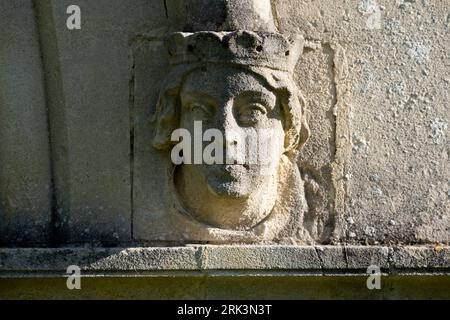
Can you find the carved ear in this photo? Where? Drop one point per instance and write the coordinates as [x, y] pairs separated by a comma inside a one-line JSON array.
[[295, 125], [304, 130], [166, 118]]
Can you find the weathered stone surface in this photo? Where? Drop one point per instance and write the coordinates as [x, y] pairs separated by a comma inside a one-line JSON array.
[[238, 84], [315, 79], [391, 163], [101, 259], [274, 193], [88, 78], [151, 195], [217, 259], [220, 15], [332, 257], [373, 176], [427, 258], [25, 173], [358, 256], [259, 258], [353, 257]]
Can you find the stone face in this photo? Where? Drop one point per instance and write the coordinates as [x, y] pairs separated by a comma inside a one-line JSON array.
[[25, 177], [239, 86]]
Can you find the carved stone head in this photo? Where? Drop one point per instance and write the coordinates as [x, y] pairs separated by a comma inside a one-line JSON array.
[[239, 84]]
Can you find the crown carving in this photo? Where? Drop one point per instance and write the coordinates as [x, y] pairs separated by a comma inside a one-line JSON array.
[[259, 49]]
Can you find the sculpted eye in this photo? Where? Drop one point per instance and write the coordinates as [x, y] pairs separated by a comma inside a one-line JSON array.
[[252, 114], [199, 109]]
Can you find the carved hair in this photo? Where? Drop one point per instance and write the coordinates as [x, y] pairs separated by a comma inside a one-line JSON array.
[[167, 114]]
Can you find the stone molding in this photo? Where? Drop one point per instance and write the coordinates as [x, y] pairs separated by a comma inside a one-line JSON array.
[[205, 260]]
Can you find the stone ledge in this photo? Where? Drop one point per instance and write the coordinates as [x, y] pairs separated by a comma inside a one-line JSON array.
[[201, 260]]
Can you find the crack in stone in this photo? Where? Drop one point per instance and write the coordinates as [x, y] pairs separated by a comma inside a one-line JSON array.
[[166, 11], [202, 259], [322, 265], [344, 250]]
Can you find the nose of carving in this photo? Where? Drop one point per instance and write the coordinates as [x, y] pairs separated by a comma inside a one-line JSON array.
[[227, 124], [233, 139], [226, 119]]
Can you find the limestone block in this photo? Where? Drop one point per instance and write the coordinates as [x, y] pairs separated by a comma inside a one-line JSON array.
[[259, 257], [410, 257], [390, 70], [25, 177], [358, 256], [235, 260], [332, 257], [151, 193], [99, 259], [89, 72], [315, 79]]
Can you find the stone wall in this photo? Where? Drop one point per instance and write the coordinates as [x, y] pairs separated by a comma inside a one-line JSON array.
[[388, 71], [77, 164]]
